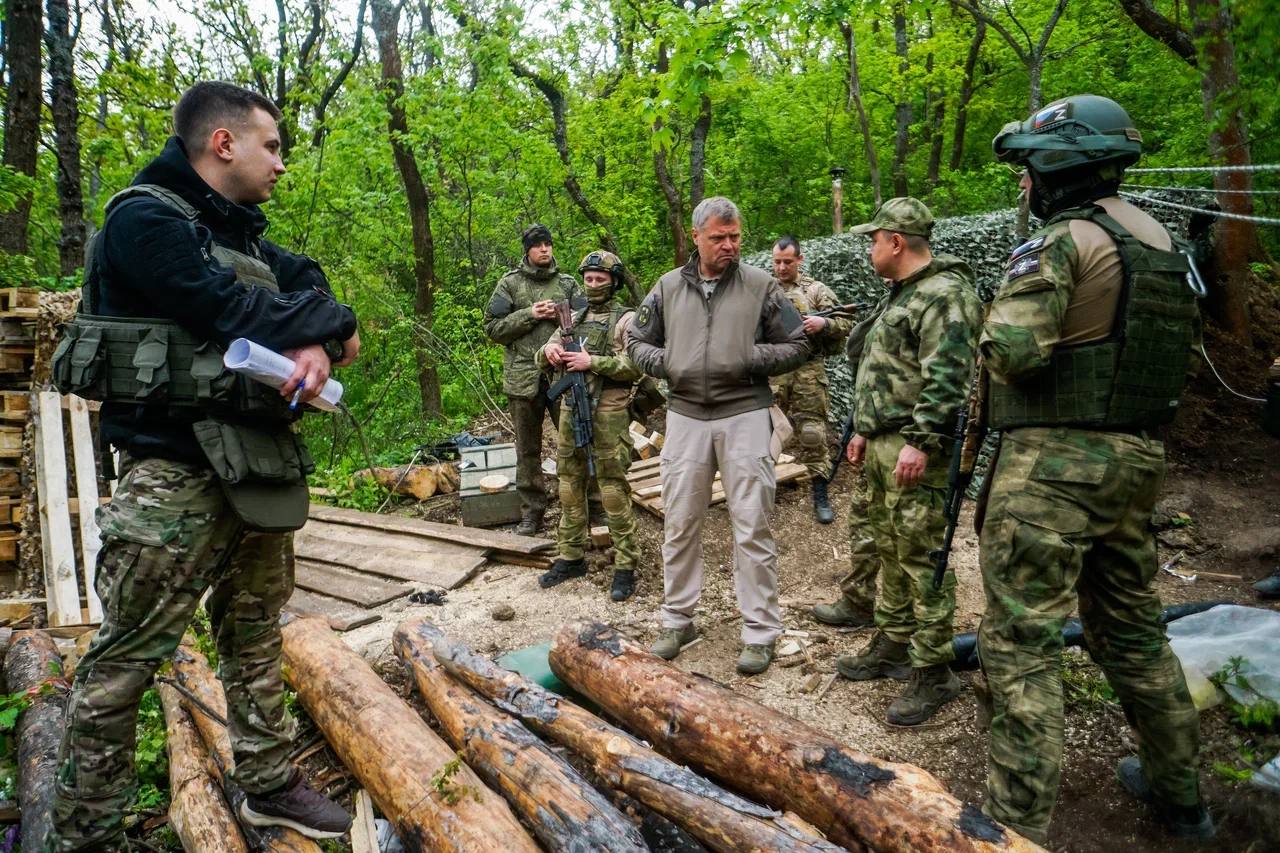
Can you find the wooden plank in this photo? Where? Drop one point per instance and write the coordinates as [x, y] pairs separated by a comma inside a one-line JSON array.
[[61, 589], [11, 480], [340, 615], [406, 558], [476, 537], [10, 442], [8, 545], [86, 495], [362, 589], [364, 832], [644, 464]]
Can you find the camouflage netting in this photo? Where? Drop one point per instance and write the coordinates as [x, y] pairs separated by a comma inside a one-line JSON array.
[[984, 240]]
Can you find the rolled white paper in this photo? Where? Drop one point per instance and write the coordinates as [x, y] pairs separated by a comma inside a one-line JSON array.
[[274, 369]]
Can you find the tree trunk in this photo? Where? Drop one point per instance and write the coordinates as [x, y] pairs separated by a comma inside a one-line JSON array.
[[966, 94], [22, 113], [560, 806], [30, 663], [433, 801], [675, 203], [1236, 242], [198, 812], [698, 153], [857, 800], [855, 98], [331, 91], [386, 22], [719, 819], [66, 131], [902, 111], [193, 673]]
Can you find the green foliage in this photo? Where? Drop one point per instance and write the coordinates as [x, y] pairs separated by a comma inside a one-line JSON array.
[[1085, 684], [152, 761], [442, 783], [1261, 714]]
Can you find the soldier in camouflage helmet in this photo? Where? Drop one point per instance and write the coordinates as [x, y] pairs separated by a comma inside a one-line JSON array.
[[802, 393], [602, 327], [521, 315], [1087, 344], [912, 377], [180, 261]]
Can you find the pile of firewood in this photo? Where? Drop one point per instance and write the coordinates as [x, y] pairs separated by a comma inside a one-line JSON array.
[[496, 776]]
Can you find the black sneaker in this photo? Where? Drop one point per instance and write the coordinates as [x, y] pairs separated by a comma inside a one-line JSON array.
[[1181, 821], [624, 584], [299, 807], [562, 570]]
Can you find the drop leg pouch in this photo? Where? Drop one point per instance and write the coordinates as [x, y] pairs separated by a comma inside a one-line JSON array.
[[263, 471]]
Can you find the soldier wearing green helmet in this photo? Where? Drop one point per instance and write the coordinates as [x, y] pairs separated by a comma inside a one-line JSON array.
[[1086, 345], [601, 327]]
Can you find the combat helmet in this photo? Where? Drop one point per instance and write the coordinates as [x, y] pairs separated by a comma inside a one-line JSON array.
[[1070, 133], [604, 262]]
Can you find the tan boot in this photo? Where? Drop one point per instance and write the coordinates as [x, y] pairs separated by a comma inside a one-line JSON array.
[[672, 640], [882, 657], [929, 689], [843, 611]]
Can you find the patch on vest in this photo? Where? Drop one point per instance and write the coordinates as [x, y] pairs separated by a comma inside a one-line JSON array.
[[1029, 246], [1023, 266], [644, 315]]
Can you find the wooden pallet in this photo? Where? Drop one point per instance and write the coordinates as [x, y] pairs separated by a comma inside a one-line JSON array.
[[17, 358], [61, 578], [19, 301], [645, 479], [15, 406], [10, 441]]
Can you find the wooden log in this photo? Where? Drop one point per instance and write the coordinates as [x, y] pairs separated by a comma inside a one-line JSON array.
[[206, 703], [434, 801], [859, 801], [32, 666], [721, 820], [198, 812], [562, 808]]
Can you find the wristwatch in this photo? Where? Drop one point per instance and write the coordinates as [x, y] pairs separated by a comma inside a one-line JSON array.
[[333, 349]]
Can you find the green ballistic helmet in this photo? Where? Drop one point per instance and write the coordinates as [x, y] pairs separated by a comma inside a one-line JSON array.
[[1083, 130], [604, 262]]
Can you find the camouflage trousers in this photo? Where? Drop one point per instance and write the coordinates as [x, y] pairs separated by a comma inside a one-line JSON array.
[[802, 394], [1068, 521], [527, 414], [612, 453], [168, 536], [904, 525], [859, 586]]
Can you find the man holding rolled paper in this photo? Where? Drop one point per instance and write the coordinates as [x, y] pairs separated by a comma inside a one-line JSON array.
[[212, 478]]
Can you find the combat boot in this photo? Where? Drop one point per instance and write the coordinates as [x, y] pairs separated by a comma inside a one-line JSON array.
[[672, 640], [1181, 821], [624, 584], [530, 523], [880, 658], [929, 689], [562, 570], [843, 611], [299, 807], [821, 505]]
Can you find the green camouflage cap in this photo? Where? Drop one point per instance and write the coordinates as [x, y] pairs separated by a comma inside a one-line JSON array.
[[904, 215]]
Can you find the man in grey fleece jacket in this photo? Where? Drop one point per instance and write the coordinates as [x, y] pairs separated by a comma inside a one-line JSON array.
[[716, 330]]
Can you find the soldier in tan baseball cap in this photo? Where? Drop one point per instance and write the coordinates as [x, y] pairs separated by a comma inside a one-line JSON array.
[[904, 215]]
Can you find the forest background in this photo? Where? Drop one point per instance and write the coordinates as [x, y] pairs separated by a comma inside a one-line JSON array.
[[421, 138]]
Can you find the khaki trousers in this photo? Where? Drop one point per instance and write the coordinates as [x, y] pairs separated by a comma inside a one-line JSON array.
[[738, 447]]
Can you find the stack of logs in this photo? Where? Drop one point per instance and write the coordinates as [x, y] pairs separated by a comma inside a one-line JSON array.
[[492, 781]]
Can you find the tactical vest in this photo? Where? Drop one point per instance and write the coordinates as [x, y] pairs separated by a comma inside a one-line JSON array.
[[597, 339], [1129, 380], [245, 431]]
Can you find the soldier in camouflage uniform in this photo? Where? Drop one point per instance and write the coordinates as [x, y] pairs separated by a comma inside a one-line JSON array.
[[180, 261], [912, 378], [1087, 345], [602, 327], [521, 315], [802, 393]]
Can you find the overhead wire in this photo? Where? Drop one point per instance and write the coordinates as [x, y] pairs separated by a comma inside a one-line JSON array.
[[1254, 167], [1222, 214], [1205, 190]]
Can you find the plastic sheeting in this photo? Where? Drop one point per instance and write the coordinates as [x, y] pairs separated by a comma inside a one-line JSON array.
[[1206, 642]]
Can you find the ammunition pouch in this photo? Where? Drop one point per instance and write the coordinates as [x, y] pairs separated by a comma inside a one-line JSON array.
[[263, 472], [156, 363]]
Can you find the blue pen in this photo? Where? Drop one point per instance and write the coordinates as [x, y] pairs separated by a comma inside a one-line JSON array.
[[293, 404]]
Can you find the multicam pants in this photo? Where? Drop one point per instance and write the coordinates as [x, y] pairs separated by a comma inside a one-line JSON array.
[[612, 453], [802, 394], [168, 535], [905, 525], [1068, 521], [859, 586]]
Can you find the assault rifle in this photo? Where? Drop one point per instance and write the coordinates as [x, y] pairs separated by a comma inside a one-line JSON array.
[[849, 309], [957, 483], [840, 310], [576, 383]]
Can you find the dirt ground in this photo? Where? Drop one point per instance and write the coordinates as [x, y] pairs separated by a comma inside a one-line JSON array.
[[1222, 479]]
